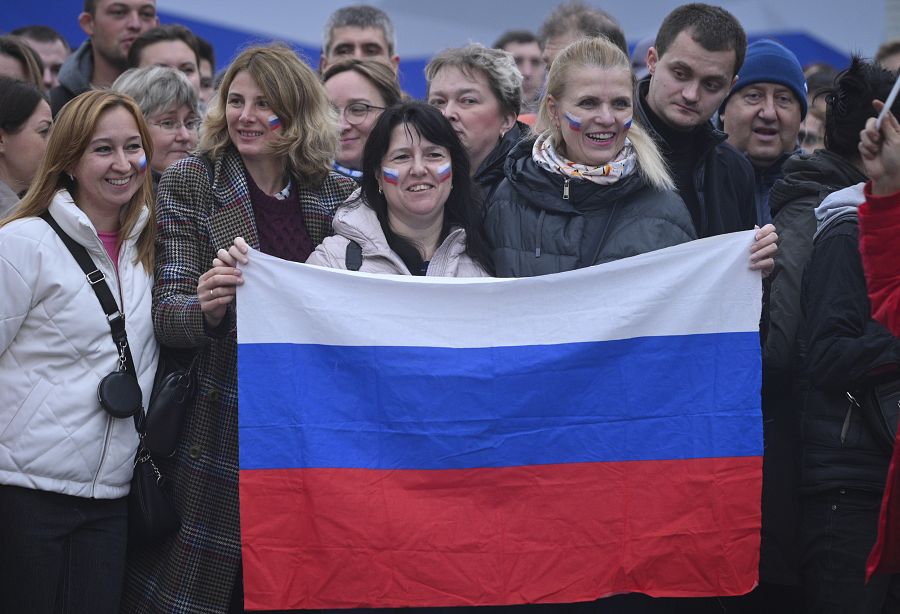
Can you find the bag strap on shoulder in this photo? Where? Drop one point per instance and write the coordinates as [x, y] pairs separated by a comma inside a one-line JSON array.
[[97, 280]]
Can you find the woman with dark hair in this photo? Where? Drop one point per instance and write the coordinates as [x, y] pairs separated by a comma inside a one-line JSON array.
[[19, 61], [360, 90], [25, 122], [415, 213]]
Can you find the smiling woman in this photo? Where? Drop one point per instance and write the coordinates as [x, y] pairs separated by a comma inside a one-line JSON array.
[[592, 188], [67, 463], [360, 90], [262, 170], [414, 214]]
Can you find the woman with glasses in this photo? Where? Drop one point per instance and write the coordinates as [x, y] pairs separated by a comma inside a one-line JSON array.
[[480, 91], [262, 171], [360, 90], [169, 103]]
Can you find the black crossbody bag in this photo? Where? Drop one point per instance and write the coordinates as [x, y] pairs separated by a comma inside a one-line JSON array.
[[151, 513]]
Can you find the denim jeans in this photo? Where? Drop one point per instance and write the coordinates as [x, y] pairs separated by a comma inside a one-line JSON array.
[[60, 554], [838, 530]]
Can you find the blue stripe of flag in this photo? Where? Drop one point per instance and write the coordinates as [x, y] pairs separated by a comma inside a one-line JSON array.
[[649, 398]]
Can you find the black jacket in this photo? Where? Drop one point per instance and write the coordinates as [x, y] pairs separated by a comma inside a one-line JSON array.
[[807, 180], [534, 230], [490, 173], [845, 351], [723, 178]]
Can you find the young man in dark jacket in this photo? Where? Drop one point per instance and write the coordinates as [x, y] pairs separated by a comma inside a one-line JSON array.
[[698, 52], [111, 25]]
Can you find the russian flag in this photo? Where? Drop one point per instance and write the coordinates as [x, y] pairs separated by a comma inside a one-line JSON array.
[[440, 442]]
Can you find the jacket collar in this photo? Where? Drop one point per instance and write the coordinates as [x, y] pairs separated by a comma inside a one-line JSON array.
[[77, 225], [491, 168], [358, 222], [232, 213]]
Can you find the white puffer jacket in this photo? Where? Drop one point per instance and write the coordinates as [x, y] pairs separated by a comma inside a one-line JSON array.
[[356, 221], [56, 346]]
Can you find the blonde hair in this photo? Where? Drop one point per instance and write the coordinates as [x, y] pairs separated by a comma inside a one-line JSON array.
[[308, 138], [72, 131], [600, 52]]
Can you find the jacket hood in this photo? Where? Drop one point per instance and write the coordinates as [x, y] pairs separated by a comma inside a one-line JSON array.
[[814, 176], [527, 178], [837, 205], [75, 74]]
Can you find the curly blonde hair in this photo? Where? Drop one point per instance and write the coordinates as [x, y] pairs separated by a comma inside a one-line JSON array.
[[309, 133]]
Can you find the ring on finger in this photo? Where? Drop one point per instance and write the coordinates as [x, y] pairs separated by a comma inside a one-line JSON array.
[[212, 292]]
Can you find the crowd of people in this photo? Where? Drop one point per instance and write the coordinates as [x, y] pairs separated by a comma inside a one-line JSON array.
[[542, 153]]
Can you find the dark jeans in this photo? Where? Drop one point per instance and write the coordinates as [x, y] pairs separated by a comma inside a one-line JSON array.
[[60, 554], [838, 531]]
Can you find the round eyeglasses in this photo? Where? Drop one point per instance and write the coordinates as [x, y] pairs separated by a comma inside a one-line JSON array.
[[357, 112], [173, 125]]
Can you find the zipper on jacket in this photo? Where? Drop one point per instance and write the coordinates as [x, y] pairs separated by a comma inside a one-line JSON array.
[[539, 234], [103, 452], [566, 189], [846, 426]]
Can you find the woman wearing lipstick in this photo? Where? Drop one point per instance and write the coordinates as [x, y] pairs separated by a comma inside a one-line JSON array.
[[593, 188], [359, 90], [66, 464], [263, 172]]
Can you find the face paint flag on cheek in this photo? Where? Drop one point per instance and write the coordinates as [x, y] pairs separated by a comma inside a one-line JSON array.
[[628, 123], [390, 175], [274, 122], [574, 122], [142, 163], [444, 172]]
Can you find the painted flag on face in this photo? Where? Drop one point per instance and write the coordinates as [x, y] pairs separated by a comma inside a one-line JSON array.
[[391, 175], [414, 441]]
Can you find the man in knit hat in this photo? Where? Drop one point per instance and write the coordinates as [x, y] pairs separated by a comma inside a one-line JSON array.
[[763, 112]]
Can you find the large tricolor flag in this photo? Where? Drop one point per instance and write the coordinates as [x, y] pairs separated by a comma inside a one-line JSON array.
[[416, 441]]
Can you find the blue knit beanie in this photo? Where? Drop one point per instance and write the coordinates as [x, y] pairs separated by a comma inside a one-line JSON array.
[[770, 62]]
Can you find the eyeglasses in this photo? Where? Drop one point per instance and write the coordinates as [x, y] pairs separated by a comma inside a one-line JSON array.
[[173, 125], [357, 112]]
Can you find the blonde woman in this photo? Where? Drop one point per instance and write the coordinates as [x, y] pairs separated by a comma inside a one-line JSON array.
[[593, 188], [262, 172], [65, 463]]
